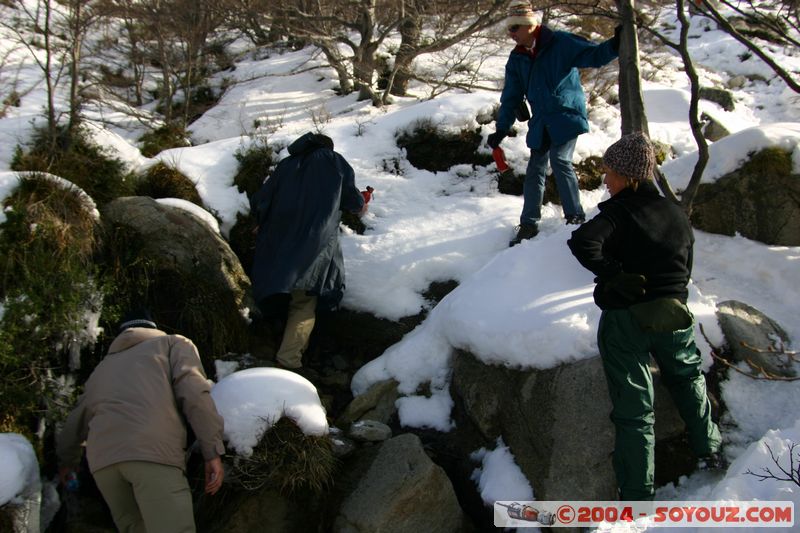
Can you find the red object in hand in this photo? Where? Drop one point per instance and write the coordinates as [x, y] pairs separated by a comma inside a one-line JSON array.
[[367, 194], [500, 159]]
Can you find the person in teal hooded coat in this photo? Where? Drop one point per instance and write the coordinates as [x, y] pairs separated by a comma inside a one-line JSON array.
[[298, 254]]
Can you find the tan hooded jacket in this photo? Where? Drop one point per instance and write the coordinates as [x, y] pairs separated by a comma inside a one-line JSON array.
[[132, 405]]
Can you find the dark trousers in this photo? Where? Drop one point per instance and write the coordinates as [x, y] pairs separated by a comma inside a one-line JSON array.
[[627, 338]]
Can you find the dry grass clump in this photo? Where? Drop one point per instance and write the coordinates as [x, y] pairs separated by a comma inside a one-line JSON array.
[[287, 460], [164, 181]]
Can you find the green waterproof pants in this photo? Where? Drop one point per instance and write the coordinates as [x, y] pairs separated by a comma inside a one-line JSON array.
[[626, 338]]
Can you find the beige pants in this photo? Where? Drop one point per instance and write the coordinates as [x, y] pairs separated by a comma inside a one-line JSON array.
[[147, 497], [299, 325]]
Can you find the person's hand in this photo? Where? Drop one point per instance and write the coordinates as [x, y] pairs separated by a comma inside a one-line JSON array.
[[494, 139], [64, 474], [616, 38], [214, 475], [68, 478], [629, 286]]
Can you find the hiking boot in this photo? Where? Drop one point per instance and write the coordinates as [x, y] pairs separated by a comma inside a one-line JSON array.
[[524, 232], [575, 219], [714, 461]]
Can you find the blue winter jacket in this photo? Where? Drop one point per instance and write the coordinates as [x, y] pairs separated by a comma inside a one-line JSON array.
[[552, 85], [298, 213]]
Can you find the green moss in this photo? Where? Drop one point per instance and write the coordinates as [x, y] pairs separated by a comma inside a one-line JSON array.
[[74, 157], [772, 161], [163, 181]]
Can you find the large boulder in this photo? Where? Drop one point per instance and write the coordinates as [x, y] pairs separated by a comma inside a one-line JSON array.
[[184, 270], [554, 420], [760, 201], [755, 338], [396, 488]]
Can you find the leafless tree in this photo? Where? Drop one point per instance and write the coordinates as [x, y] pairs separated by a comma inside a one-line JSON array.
[[79, 18], [360, 25], [448, 22], [126, 15], [777, 20], [253, 18], [682, 48], [790, 473], [32, 25]]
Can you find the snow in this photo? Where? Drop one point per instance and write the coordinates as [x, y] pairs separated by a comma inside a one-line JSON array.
[[19, 469], [194, 209], [252, 400], [525, 307], [499, 477]]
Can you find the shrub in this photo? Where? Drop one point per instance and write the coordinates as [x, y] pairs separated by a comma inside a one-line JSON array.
[[163, 181], [74, 157], [163, 138], [430, 148], [49, 282], [255, 163]]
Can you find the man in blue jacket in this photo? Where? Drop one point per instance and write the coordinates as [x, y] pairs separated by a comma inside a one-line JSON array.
[[297, 247], [543, 68]]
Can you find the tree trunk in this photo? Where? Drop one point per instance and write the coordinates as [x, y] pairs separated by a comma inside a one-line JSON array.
[[364, 54], [336, 61], [52, 125], [687, 197], [76, 25], [631, 101], [409, 42]]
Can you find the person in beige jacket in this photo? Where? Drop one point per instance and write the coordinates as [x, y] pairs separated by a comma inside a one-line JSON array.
[[131, 418]]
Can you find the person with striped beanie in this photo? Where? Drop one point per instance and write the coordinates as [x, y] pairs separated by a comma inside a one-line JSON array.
[[640, 249]]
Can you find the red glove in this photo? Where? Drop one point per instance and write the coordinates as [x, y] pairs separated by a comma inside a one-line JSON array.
[[367, 195]]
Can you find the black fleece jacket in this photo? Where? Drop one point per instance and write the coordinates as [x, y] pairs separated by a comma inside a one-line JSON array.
[[637, 232]]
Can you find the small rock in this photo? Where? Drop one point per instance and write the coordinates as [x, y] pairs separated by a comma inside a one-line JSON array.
[[341, 445], [737, 82], [369, 431], [379, 397]]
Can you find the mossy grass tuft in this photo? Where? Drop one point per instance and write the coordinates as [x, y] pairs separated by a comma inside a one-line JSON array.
[[164, 181], [163, 138], [73, 156], [49, 281], [430, 147], [256, 161], [287, 460]]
